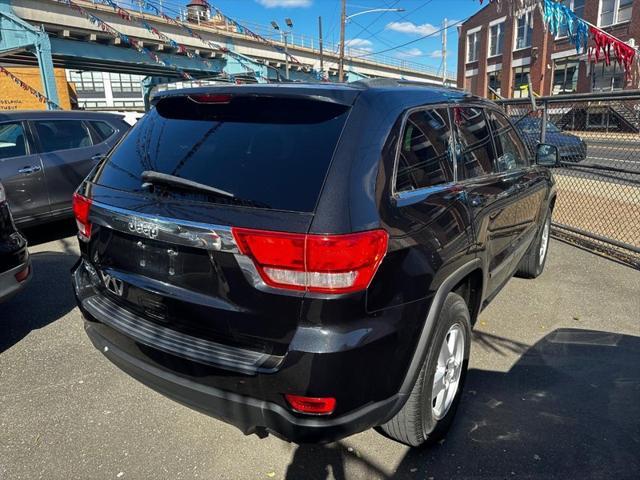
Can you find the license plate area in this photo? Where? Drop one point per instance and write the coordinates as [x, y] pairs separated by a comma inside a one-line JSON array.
[[185, 267]]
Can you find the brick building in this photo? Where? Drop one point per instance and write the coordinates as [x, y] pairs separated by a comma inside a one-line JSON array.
[[497, 53]]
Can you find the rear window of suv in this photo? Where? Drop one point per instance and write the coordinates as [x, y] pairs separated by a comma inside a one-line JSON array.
[[268, 152]]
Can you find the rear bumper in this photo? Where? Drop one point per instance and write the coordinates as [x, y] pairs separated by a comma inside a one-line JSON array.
[[362, 370], [9, 286], [249, 414]]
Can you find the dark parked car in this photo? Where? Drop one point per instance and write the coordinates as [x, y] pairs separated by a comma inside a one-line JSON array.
[[45, 155], [571, 147], [15, 266], [308, 260]]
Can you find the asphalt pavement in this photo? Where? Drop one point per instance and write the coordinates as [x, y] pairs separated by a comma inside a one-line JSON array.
[[553, 392]]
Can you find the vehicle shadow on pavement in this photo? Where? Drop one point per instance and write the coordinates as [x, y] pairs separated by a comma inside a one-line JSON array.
[[47, 298], [569, 408], [49, 232]]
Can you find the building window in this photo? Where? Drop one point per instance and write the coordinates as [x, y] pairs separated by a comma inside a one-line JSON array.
[[496, 39], [606, 78], [494, 84], [125, 83], [524, 30], [615, 11], [91, 104], [87, 82], [577, 6], [521, 81], [128, 104], [565, 75], [473, 46]]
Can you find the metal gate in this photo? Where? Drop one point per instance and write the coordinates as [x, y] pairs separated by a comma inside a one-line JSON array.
[[597, 135]]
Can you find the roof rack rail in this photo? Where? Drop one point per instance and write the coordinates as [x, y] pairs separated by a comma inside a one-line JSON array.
[[395, 82]]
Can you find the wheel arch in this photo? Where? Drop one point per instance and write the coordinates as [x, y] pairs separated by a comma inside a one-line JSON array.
[[469, 272], [471, 289]]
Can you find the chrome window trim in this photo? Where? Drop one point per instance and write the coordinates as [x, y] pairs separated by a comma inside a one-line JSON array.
[[394, 174], [179, 232], [405, 196]]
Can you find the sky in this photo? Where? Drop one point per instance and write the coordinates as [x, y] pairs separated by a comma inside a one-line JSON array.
[[370, 32]]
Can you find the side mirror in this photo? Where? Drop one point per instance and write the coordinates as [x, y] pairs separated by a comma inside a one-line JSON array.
[[547, 155]]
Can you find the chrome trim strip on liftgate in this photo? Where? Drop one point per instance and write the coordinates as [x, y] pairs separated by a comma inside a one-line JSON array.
[[169, 230]]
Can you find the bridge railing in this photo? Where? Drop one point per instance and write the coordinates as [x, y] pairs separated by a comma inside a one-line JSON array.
[[177, 8]]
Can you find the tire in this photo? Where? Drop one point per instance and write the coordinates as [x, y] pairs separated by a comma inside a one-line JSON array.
[[532, 264], [420, 422]]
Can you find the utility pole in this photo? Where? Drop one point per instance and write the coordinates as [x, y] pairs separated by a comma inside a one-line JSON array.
[[444, 52], [321, 54], [286, 54], [343, 21]]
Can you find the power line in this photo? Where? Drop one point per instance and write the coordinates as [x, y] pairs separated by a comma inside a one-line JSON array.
[[414, 40], [402, 17], [378, 17]]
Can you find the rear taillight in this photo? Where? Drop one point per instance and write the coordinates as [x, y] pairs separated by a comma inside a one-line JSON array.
[[316, 263], [311, 405], [81, 209]]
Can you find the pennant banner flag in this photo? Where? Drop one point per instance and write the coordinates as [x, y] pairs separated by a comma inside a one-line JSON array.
[[28, 88], [105, 27], [560, 20]]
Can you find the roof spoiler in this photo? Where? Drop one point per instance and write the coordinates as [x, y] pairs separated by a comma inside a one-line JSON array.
[[344, 97]]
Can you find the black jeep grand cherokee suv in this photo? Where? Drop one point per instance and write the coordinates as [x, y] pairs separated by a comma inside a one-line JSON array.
[[308, 260]]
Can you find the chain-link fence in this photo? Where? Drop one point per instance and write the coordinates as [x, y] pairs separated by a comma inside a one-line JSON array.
[[597, 135]]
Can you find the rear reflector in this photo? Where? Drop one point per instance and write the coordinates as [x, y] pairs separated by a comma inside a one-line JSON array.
[[311, 405], [316, 263], [81, 208], [22, 275]]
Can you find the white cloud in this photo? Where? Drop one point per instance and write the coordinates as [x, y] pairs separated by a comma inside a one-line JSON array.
[[410, 27], [284, 3], [436, 54], [359, 44], [411, 53]]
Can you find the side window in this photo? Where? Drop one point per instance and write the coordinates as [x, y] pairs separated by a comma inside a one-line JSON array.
[[474, 148], [425, 155], [103, 129], [512, 154], [62, 134], [12, 140]]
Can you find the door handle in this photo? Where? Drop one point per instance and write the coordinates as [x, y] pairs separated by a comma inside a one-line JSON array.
[[98, 157], [30, 169]]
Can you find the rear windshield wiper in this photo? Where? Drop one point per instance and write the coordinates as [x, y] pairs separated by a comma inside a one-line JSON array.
[[153, 178]]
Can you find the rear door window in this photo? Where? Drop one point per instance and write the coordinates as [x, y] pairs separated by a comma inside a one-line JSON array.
[[511, 152], [268, 152], [58, 135], [12, 140], [425, 158], [103, 129], [474, 147]]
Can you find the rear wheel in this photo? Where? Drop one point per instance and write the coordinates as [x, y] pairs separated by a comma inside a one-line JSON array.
[[532, 264], [431, 406]]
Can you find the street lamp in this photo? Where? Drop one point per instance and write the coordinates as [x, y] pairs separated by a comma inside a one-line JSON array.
[[285, 34], [344, 18]]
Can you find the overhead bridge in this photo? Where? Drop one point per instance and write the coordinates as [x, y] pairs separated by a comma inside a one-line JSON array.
[[76, 42]]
